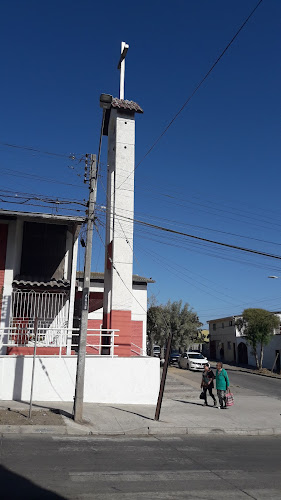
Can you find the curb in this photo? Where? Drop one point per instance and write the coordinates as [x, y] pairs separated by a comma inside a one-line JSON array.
[[259, 374], [55, 430], [254, 372], [33, 429]]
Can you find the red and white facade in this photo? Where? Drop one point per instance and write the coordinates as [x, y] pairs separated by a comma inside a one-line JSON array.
[[138, 315], [38, 255], [38, 283]]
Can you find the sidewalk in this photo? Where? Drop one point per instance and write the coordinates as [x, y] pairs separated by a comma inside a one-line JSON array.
[[182, 413], [248, 369]]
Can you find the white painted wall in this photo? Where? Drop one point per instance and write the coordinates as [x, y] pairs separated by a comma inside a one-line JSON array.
[[120, 201], [107, 380], [269, 351], [139, 308], [12, 268]]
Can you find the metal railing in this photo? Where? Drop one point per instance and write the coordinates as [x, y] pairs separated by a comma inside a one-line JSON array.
[[140, 352], [61, 338]]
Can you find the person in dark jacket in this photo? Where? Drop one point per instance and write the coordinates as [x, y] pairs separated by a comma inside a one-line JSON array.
[[207, 383], [222, 384]]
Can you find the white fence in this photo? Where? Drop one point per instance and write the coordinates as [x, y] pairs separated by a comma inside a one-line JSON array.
[[24, 335]]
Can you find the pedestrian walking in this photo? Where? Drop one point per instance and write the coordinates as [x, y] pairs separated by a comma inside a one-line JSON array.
[[207, 384], [222, 384]]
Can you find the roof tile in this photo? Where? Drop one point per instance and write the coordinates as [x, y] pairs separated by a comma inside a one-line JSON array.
[[127, 105]]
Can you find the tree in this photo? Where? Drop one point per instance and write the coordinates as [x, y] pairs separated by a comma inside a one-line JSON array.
[[155, 327], [175, 317], [257, 326]]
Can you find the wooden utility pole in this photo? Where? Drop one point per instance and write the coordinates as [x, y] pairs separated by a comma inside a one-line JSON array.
[[163, 379], [80, 373]]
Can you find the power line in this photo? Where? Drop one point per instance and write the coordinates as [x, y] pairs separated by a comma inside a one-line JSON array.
[[191, 246], [26, 175], [227, 245], [196, 89], [219, 206], [40, 205], [171, 221], [71, 156], [17, 195]]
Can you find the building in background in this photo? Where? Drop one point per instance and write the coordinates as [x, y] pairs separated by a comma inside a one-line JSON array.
[[200, 342], [228, 344]]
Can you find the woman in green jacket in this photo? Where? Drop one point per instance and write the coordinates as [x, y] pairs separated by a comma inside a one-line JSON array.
[[222, 384]]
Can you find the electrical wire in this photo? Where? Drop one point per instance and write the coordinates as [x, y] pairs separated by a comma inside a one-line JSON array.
[[211, 252], [42, 206], [117, 272], [180, 233], [196, 226], [207, 240], [196, 89], [27, 197], [71, 156], [26, 175]]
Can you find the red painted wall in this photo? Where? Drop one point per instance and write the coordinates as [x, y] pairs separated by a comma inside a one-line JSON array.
[[24, 351], [137, 327], [121, 320], [93, 323]]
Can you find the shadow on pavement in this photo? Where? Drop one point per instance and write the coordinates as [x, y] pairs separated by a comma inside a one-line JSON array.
[[17, 487], [132, 413], [191, 403], [50, 408]]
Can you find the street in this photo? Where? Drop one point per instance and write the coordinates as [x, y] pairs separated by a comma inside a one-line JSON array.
[[162, 466], [140, 468], [241, 382]]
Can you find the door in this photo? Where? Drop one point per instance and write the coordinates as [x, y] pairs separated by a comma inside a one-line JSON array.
[[234, 352], [242, 353], [213, 349]]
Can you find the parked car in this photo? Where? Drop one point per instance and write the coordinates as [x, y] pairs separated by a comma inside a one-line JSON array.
[[192, 361], [156, 351], [174, 356]]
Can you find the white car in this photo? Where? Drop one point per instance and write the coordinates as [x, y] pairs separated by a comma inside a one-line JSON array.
[[192, 361]]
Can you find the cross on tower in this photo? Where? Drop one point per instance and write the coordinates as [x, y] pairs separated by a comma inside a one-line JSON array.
[[121, 66]]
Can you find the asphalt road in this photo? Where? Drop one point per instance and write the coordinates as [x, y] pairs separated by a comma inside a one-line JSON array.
[[241, 382], [141, 468]]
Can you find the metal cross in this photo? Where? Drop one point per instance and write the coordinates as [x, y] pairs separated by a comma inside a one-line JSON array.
[[121, 66]]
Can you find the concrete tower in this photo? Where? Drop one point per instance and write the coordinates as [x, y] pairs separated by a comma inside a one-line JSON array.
[[119, 125]]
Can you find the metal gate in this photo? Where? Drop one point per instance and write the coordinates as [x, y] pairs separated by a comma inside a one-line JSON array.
[[50, 308]]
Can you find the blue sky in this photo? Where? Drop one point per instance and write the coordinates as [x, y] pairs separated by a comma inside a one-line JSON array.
[[215, 172]]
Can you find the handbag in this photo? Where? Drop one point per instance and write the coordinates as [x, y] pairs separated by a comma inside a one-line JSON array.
[[202, 395], [229, 399]]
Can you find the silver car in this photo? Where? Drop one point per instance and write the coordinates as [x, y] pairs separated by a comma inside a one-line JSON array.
[[192, 361]]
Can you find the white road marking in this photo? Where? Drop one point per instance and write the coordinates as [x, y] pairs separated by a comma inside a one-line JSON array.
[[147, 476], [190, 494]]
